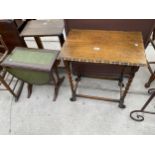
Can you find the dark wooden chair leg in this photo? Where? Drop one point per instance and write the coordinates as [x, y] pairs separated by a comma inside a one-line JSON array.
[[153, 36], [29, 88], [56, 71], [61, 39], [57, 82], [19, 91], [39, 42], [55, 87]]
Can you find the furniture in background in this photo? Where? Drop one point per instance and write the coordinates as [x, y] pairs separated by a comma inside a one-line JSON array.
[[122, 51], [10, 30], [4, 80], [20, 23], [153, 35], [34, 66], [43, 28], [142, 25]]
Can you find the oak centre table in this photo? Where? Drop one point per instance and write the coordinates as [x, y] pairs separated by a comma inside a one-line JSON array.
[[114, 48]]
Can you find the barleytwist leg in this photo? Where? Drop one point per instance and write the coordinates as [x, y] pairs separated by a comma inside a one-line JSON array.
[[121, 85], [121, 104], [67, 66]]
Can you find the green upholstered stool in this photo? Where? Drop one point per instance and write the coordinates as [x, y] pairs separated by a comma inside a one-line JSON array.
[[34, 66]]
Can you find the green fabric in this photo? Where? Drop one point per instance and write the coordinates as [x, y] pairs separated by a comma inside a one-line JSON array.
[[32, 57], [32, 77]]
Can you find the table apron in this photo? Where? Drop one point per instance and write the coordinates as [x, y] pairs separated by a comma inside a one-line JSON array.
[[123, 94]]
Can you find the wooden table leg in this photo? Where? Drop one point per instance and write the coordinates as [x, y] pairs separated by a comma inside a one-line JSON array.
[[19, 91], [61, 39], [57, 82], [132, 74], [55, 87], [121, 85], [39, 42], [68, 70], [120, 81], [153, 36], [29, 87]]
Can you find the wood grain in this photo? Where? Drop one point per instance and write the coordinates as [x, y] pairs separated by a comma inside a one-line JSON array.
[[107, 47], [43, 28]]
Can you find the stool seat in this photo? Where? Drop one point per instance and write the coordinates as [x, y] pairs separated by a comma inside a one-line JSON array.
[[32, 59]]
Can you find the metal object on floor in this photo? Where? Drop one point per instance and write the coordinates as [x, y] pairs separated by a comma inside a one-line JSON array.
[[137, 115], [152, 77]]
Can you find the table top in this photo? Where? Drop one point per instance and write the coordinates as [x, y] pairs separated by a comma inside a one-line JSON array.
[[33, 59], [43, 28], [107, 47]]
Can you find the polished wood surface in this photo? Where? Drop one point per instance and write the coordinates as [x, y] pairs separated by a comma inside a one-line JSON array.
[[107, 47], [141, 25], [43, 28]]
